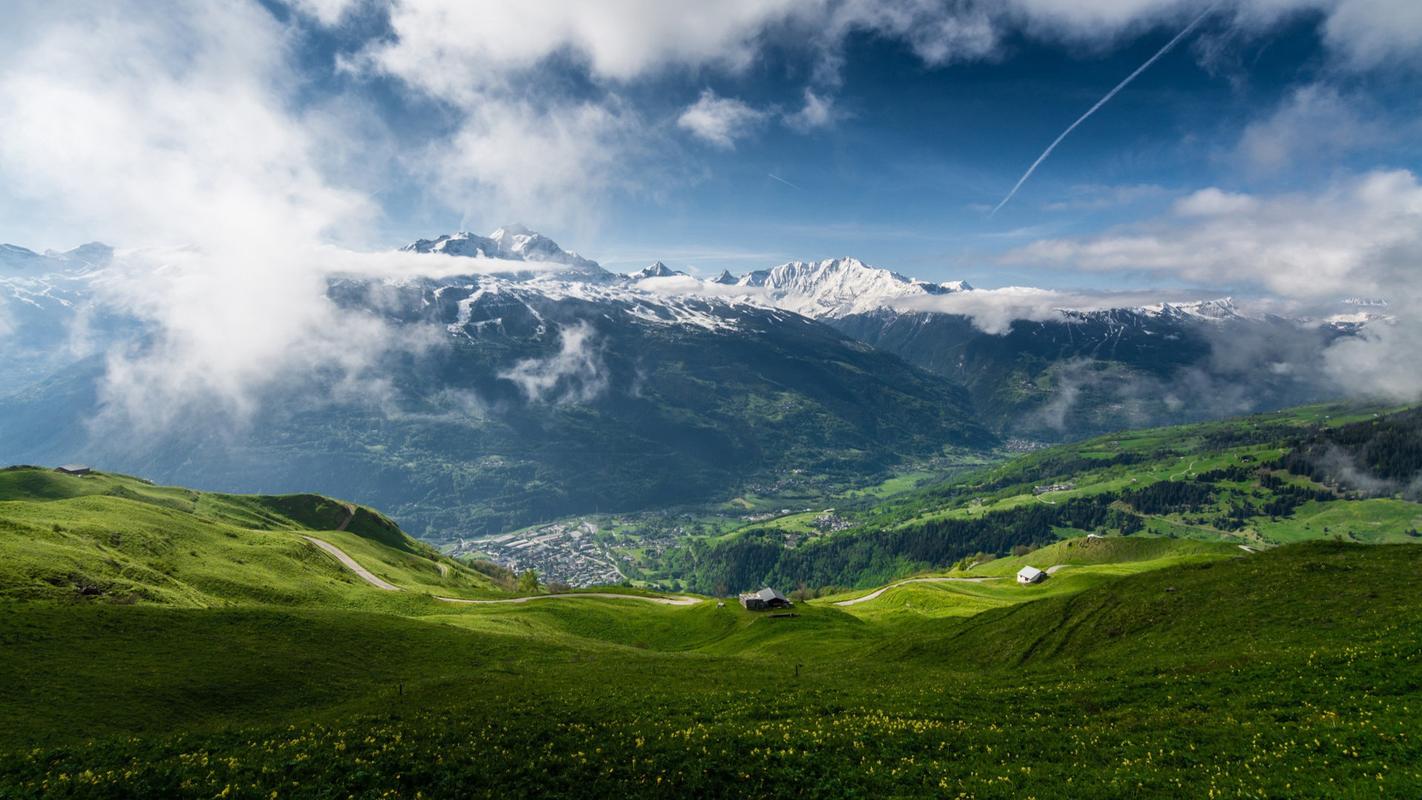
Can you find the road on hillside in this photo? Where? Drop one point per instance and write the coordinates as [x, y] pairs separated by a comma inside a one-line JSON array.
[[352, 565], [874, 594], [374, 580]]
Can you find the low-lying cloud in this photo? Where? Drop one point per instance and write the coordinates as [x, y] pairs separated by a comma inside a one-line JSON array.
[[1359, 237], [575, 374], [994, 310]]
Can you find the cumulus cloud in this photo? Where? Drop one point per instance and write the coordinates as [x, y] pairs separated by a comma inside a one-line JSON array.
[[575, 374], [514, 159], [720, 121], [526, 143]]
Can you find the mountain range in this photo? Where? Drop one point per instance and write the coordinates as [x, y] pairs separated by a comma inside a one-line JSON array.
[[552, 386]]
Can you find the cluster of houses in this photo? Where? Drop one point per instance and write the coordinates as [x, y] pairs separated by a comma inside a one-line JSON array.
[[1055, 487]]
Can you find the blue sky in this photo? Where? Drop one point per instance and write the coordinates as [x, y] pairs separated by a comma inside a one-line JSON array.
[[915, 152], [732, 135]]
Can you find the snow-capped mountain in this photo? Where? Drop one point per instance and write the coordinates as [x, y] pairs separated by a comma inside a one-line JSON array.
[[512, 243], [837, 287], [657, 270]]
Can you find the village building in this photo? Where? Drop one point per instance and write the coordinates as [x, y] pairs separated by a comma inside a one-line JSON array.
[[1028, 575], [73, 469], [765, 599]]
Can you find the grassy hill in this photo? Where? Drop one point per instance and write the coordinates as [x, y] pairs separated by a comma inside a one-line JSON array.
[[1294, 672], [160, 642], [124, 540], [1258, 481]]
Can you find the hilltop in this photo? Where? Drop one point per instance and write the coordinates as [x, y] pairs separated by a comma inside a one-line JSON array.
[[121, 539]]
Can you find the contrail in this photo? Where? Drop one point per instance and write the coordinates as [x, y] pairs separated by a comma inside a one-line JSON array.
[[1099, 103], [782, 180]]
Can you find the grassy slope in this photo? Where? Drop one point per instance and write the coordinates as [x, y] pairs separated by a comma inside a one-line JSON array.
[[1293, 672], [252, 663], [125, 540]]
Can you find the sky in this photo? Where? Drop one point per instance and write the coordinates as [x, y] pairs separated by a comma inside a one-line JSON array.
[[734, 135], [240, 153]]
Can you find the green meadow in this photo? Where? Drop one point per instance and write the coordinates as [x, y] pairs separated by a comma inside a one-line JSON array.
[[161, 642]]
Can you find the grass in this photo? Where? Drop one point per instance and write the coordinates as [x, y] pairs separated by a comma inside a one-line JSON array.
[[157, 642], [121, 539], [1289, 673]]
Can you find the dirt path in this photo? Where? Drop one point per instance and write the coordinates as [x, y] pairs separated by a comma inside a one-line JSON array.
[[666, 601], [350, 515], [874, 594], [350, 564], [443, 569], [379, 583]]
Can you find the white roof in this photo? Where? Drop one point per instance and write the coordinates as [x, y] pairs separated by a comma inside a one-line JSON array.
[[1028, 572]]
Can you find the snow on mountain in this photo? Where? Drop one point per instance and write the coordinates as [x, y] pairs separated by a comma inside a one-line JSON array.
[[827, 290], [1221, 309], [657, 270], [482, 301], [511, 243], [838, 287]]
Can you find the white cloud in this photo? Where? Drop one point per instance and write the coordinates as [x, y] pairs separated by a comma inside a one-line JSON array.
[[818, 112], [490, 61], [1341, 241], [1313, 125], [1360, 237], [1212, 202], [574, 374], [1372, 33], [454, 47], [169, 133], [720, 121], [511, 160], [994, 310]]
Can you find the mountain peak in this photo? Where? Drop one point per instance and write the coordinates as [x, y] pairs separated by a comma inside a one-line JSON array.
[[657, 270], [725, 278], [510, 243], [838, 287]]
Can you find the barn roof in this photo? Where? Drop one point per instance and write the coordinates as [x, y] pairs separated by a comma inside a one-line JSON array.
[[1028, 572], [767, 594]]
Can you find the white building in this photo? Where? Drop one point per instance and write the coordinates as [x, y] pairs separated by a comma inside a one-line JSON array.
[[1030, 575]]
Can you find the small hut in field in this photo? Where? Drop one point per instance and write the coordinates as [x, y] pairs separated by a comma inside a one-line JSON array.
[[1029, 575], [764, 600]]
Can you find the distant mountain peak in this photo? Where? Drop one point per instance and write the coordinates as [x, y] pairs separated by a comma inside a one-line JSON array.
[[838, 287], [510, 243], [725, 278], [656, 270]]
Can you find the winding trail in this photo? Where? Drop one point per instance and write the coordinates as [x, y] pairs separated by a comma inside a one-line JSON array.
[[351, 564], [875, 594], [666, 601], [379, 583]]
